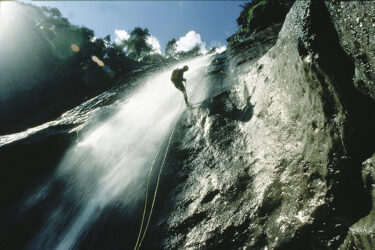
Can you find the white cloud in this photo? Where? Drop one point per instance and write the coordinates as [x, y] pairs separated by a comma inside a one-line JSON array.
[[155, 44], [218, 45], [221, 49], [188, 41], [121, 35]]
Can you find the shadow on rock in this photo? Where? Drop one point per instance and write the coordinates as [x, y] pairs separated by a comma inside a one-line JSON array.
[[224, 106]]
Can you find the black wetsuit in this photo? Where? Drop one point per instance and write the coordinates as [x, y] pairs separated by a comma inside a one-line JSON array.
[[178, 78]]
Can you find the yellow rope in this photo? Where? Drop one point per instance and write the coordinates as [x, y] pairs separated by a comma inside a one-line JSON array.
[[147, 189], [139, 243]]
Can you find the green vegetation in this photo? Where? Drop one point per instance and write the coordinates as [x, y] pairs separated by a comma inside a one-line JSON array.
[[171, 51], [260, 14], [170, 48], [212, 50], [49, 65], [250, 13], [136, 46], [195, 51]]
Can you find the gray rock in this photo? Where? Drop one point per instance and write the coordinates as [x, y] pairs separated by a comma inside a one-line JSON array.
[[355, 25], [280, 155], [273, 160], [362, 234]]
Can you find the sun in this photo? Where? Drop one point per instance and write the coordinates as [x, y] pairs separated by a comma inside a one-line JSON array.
[[8, 11], [8, 14]]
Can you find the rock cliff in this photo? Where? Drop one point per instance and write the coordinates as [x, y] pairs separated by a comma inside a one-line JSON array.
[[273, 160], [280, 155]]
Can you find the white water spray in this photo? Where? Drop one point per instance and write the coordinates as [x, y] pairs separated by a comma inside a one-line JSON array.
[[119, 151]]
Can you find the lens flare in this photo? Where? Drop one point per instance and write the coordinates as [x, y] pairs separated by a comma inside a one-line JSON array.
[[74, 48], [97, 61], [100, 63]]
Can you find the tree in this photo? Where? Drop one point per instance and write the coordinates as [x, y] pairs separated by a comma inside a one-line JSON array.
[[195, 51], [170, 48], [137, 46], [212, 50], [53, 12], [107, 38], [259, 14]]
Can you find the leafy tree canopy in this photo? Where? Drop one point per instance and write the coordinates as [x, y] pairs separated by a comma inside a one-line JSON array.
[[195, 51], [259, 14], [170, 48], [137, 46]]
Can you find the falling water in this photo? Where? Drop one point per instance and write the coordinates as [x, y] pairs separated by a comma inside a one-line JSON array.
[[115, 156]]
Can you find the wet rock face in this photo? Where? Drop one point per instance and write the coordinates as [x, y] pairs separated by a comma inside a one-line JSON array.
[[288, 175], [355, 25], [278, 156], [362, 234]]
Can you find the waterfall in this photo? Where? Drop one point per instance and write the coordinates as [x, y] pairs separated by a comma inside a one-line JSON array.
[[113, 158]]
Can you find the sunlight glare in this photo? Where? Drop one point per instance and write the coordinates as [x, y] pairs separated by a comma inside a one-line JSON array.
[[8, 15], [7, 10]]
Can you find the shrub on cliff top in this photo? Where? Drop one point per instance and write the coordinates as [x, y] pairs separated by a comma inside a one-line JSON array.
[[259, 14]]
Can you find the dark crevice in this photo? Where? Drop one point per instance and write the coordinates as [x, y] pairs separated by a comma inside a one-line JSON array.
[[189, 223], [222, 105], [351, 201], [233, 237], [210, 196]]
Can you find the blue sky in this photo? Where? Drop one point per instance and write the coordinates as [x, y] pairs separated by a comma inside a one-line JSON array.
[[214, 21]]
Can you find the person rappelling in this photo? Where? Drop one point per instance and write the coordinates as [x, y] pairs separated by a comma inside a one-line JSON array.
[[178, 78]]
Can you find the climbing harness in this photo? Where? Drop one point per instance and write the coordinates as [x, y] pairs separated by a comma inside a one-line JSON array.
[[139, 239]]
